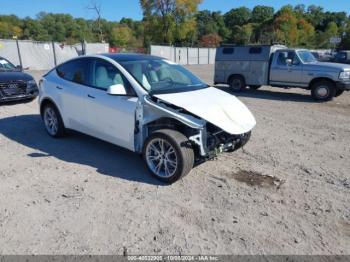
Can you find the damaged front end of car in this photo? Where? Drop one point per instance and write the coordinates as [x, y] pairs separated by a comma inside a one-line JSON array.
[[206, 139]]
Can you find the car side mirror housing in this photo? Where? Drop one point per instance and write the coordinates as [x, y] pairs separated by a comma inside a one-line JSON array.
[[19, 68], [116, 90]]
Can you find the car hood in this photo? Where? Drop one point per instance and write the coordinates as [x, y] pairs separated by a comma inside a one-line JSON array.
[[6, 76], [334, 66], [215, 106]]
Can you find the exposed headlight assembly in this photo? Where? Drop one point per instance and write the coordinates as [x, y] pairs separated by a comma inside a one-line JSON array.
[[31, 83], [344, 75]]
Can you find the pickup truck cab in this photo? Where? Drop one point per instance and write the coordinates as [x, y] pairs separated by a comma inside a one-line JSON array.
[[278, 66]]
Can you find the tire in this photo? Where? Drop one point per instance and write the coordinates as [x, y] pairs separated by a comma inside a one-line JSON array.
[[254, 87], [339, 92], [237, 83], [53, 121], [180, 152], [323, 90]]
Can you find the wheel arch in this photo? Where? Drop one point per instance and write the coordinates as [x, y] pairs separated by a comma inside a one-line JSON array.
[[236, 75], [46, 101], [321, 78]]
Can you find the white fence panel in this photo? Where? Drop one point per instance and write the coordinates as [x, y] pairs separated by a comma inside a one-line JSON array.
[[212, 54], [163, 51], [181, 55], [64, 52], [36, 55], [185, 55], [96, 48], [203, 56], [8, 50]]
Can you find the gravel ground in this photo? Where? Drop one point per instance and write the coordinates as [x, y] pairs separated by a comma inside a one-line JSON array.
[[287, 192]]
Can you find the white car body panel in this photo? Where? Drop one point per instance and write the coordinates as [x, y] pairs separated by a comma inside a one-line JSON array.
[[215, 106], [111, 118]]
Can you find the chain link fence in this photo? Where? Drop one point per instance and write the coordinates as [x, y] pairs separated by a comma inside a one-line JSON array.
[[185, 55], [45, 55]]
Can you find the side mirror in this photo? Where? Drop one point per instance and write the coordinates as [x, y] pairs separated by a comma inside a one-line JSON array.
[[289, 62], [116, 90], [19, 68]]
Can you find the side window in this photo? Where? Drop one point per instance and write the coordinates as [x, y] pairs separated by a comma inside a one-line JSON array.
[[341, 56], [283, 56], [228, 50], [255, 50], [75, 71], [105, 75]]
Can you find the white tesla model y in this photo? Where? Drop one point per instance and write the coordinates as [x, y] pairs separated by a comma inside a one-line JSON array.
[[146, 104]]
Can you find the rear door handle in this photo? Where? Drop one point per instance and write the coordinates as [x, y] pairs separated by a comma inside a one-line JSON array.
[[59, 88], [90, 96]]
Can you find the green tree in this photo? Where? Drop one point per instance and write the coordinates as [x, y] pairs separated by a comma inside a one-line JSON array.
[[122, 36], [285, 27], [237, 17], [261, 14], [324, 37]]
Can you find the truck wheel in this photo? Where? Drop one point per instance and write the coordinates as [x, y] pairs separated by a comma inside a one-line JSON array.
[[254, 87], [323, 90], [339, 92], [168, 155], [237, 83], [53, 121]]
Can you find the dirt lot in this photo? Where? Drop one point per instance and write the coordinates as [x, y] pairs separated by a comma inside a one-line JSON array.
[[287, 192]]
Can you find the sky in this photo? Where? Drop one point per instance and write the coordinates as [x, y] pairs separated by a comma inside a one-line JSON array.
[[114, 10]]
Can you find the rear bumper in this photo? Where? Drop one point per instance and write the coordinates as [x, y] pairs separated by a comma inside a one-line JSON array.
[[343, 85]]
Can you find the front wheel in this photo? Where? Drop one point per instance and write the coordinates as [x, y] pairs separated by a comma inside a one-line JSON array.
[[323, 90], [168, 155]]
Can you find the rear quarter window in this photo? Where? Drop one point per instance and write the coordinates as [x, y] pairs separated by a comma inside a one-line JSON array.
[[75, 71]]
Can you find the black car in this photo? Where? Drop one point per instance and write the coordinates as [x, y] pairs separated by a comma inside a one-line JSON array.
[[15, 85], [342, 57]]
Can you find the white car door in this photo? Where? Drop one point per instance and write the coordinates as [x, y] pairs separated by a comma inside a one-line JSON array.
[[71, 90], [111, 117]]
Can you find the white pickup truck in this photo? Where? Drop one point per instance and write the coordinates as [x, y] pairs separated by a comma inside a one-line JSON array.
[[278, 66]]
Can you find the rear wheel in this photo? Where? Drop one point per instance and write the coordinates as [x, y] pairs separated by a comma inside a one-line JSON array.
[[53, 121], [168, 155], [339, 92], [323, 90], [237, 83]]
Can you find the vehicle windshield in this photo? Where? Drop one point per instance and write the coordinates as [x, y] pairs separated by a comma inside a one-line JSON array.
[[158, 76], [306, 56], [6, 65]]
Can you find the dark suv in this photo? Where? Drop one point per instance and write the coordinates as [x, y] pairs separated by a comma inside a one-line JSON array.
[[342, 57], [15, 85]]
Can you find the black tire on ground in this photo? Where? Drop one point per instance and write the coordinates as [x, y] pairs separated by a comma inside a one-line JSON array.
[[323, 90], [182, 149], [254, 87], [237, 83], [339, 92], [61, 131]]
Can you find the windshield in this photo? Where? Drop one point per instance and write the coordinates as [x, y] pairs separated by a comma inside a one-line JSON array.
[[306, 56], [6, 65], [162, 76]]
